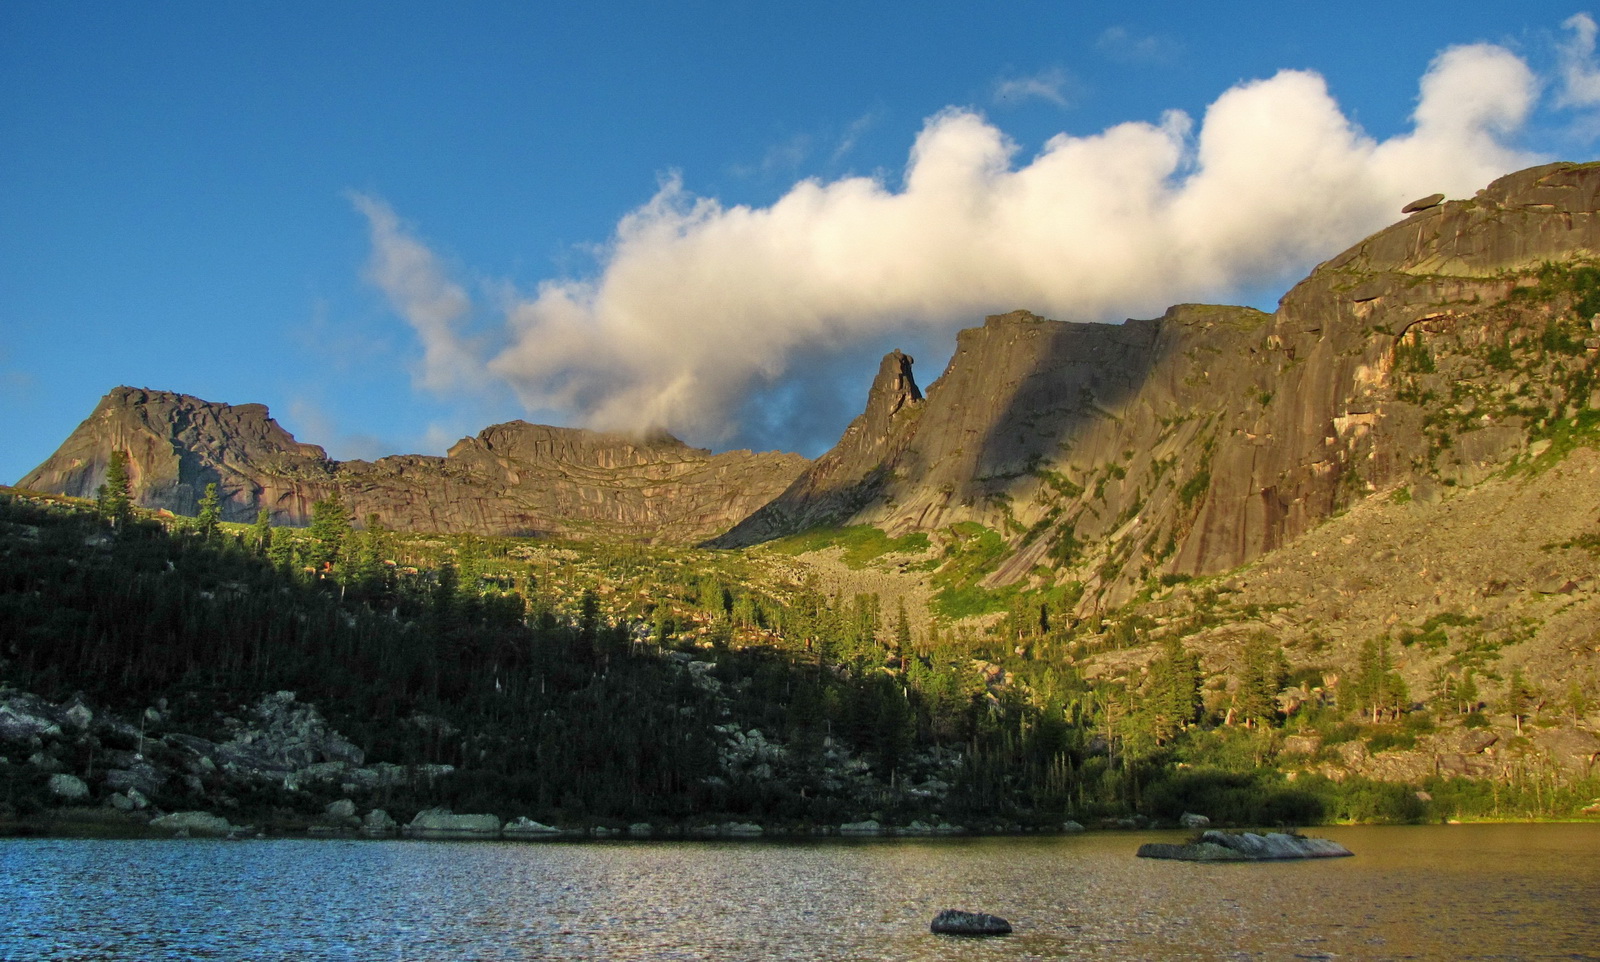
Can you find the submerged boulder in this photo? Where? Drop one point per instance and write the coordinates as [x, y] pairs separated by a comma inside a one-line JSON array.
[[958, 922], [1215, 846]]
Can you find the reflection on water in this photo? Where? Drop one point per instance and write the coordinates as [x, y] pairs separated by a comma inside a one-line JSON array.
[[1439, 892]]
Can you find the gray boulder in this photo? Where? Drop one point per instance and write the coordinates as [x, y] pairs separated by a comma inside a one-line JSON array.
[[1191, 820], [68, 787], [525, 827], [76, 714], [958, 922], [378, 824], [46, 762], [139, 775], [25, 717]]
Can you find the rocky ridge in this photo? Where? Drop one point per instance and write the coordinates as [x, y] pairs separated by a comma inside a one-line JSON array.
[[511, 479], [1432, 354]]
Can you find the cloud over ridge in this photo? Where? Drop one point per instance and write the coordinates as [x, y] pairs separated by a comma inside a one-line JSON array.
[[698, 305]]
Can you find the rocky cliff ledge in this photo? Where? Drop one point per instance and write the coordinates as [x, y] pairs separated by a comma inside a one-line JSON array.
[[514, 478]]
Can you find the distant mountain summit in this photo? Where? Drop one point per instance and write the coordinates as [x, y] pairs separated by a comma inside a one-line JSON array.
[[1427, 356], [513, 478]]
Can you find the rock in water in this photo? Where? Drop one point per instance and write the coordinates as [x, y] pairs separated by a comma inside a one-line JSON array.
[[1215, 846], [443, 823], [957, 922], [378, 824], [187, 824]]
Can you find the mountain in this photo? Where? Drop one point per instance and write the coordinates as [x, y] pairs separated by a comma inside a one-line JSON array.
[[1426, 357], [513, 478], [1337, 561]]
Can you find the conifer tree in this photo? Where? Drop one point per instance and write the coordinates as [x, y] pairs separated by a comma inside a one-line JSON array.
[[1578, 701], [1378, 687], [114, 498], [1467, 692], [588, 627], [330, 525], [210, 516], [1172, 703], [1521, 697], [261, 532], [1260, 678], [902, 634]]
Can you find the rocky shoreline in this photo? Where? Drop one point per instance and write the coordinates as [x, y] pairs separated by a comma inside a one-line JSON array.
[[342, 822]]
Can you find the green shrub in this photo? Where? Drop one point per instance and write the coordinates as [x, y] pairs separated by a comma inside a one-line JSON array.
[[1233, 798]]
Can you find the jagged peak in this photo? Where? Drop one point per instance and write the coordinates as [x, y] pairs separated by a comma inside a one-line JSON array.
[[895, 386]]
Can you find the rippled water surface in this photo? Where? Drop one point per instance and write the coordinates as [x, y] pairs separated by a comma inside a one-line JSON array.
[[1444, 892]]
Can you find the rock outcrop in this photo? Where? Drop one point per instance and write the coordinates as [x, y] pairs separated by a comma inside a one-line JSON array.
[[1198, 441], [1215, 846], [511, 479], [278, 742]]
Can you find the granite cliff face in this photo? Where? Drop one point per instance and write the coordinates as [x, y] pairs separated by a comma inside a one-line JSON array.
[[1427, 355], [513, 478]]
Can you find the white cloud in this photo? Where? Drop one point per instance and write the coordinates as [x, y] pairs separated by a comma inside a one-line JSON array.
[[699, 307], [1580, 76], [1049, 85], [699, 304], [418, 288], [1123, 45], [787, 157], [852, 135]]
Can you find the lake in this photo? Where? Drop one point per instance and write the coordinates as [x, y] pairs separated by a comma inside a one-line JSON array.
[[1433, 892]]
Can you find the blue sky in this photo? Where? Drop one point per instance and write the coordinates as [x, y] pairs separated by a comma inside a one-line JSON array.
[[397, 223]]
